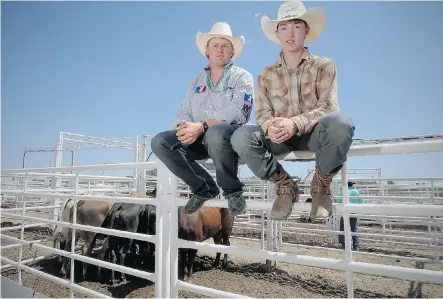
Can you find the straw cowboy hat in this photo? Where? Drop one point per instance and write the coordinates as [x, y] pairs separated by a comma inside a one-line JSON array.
[[220, 29], [315, 17]]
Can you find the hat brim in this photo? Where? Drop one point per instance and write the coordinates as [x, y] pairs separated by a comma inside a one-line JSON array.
[[315, 17], [237, 42]]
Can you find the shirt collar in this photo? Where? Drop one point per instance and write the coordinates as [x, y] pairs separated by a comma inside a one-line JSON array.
[[305, 56], [225, 68]]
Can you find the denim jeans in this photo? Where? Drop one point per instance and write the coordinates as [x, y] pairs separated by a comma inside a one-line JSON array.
[[215, 144], [330, 139], [353, 223]]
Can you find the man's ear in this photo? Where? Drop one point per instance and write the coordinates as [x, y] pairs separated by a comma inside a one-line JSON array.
[[307, 31]]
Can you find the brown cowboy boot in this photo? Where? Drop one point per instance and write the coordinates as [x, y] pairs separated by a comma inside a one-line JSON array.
[[321, 194], [287, 193]]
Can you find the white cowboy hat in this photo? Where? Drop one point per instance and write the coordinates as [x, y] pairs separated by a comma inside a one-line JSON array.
[[220, 29], [315, 17]]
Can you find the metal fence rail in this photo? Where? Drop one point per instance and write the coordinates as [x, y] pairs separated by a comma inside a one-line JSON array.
[[167, 242]]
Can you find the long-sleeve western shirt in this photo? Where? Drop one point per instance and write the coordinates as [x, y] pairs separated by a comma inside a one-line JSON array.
[[303, 95], [229, 100]]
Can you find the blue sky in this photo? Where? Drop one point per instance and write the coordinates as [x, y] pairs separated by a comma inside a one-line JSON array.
[[117, 69]]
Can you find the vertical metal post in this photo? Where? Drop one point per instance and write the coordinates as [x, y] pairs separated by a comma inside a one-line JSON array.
[[276, 238], [135, 171], [159, 274], [22, 230], [59, 151], [346, 215], [172, 198], [166, 194], [434, 224], [262, 239], [381, 183], [269, 233], [74, 221], [72, 158], [142, 171], [55, 201], [24, 157]]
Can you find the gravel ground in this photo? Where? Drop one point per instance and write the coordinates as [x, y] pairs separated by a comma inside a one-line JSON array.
[[244, 276]]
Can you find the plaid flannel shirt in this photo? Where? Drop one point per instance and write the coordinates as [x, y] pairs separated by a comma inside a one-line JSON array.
[[303, 95]]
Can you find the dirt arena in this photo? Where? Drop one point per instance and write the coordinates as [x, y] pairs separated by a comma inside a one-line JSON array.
[[244, 276]]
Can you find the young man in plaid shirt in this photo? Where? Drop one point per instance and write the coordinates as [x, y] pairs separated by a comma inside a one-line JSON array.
[[296, 108]]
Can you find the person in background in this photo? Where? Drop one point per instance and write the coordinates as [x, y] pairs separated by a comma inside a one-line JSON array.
[[353, 220]]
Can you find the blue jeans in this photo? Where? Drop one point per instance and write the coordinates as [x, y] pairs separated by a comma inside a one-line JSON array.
[[330, 139], [353, 222], [215, 144]]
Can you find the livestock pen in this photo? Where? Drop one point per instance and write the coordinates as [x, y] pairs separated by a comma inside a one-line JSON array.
[[304, 271]]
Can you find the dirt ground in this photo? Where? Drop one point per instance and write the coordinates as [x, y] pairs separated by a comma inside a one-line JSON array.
[[243, 275]]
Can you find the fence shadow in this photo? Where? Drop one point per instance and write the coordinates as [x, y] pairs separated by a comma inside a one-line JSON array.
[[416, 288], [261, 271]]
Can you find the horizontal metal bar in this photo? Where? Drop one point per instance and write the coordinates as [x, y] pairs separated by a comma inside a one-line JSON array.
[[120, 199], [393, 197], [386, 243], [57, 280], [406, 147], [72, 190], [411, 274], [341, 250], [409, 147], [9, 246], [10, 228], [95, 229], [29, 208], [395, 179], [421, 275], [82, 258], [361, 234], [3, 267], [73, 175], [383, 238], [393, 256], [396, 209], [263, 254], [184, 286], [14, 239], [117, 166]]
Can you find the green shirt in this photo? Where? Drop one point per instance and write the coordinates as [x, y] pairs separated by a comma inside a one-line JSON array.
[[352, 192]]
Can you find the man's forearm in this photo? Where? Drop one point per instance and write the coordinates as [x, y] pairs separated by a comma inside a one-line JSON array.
[[212, 122]]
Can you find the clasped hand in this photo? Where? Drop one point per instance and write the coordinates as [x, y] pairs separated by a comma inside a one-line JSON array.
[[188, 132], [281, 129]]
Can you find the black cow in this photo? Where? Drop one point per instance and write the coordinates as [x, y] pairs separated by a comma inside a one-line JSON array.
[[131, 218]]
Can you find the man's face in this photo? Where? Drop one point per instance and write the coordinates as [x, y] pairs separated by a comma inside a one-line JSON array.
[[219, 51], [292, 35]]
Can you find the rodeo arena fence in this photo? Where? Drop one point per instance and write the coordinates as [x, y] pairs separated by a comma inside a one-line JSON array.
[[35, 195]]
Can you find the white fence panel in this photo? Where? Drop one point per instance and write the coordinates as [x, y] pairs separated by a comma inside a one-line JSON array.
[[167, 241]]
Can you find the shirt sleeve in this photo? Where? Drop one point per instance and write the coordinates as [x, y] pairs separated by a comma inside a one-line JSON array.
[[327, 99], [263, 106], [185, 112], [239, 110]]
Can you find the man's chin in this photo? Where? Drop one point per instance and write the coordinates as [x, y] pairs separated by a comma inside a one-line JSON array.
[[292, 49]]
